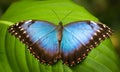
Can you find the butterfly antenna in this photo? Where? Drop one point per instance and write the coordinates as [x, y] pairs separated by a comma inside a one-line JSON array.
[[56, 15], [67, 15], [63, 17]]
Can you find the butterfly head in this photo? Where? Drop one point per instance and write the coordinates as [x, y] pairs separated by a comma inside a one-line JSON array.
[[60, 23]]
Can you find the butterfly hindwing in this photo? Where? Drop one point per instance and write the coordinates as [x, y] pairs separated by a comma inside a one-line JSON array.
[[46, 49], [41, 38], [79, 38]]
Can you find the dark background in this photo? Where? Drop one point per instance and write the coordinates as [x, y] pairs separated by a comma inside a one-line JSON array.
[[107, 11]]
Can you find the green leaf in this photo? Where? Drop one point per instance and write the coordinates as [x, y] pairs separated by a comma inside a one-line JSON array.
[[14, 56]]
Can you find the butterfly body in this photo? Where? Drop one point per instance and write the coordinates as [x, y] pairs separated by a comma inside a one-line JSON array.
[[70, 43], [60, 29]]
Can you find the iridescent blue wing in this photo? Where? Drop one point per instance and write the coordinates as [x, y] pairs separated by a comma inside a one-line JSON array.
[[41, 38], [79, 38]]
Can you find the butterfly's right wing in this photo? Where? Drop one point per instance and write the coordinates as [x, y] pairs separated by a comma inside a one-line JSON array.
[[79, 38], [41, 38]]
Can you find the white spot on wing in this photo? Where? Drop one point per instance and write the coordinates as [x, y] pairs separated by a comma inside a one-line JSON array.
[[95, 34], [21, 29], [16, 33], [91, 38], [27, 36], [93, 22], [19, 36], [13, 31], [98, 31], [99, 39], [24, 32], [28, 21], [104, 36], [104, 26], [17, 24], [101, 29]]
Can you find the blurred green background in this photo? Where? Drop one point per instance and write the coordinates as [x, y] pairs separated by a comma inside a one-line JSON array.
[[107, 11]]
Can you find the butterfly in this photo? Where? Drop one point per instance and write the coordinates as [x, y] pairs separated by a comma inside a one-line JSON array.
[[71, 43]]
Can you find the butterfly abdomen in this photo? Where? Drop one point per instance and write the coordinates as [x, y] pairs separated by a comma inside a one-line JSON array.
[[60, 29]]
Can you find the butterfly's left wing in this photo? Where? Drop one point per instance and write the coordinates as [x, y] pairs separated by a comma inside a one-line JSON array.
[[40, 37], [79, 38]]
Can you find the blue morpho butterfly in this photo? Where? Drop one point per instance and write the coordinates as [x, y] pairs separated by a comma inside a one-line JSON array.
[[70, 43]]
